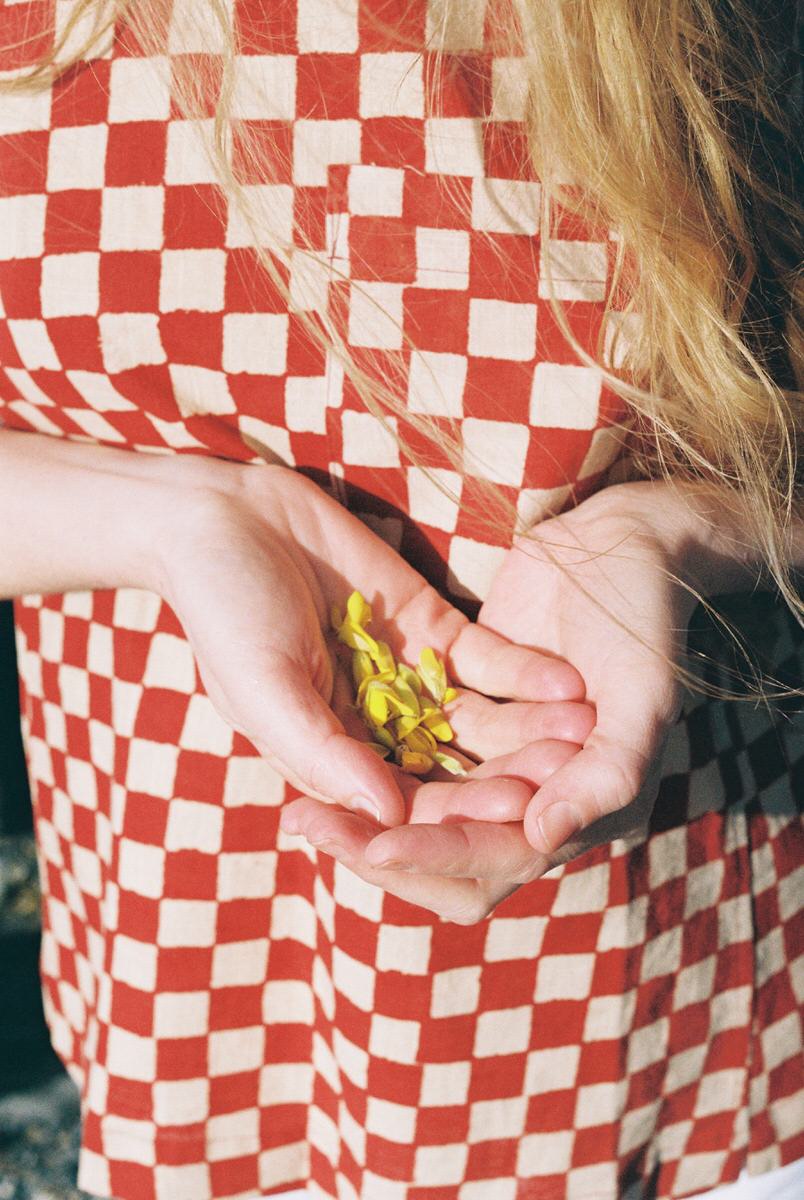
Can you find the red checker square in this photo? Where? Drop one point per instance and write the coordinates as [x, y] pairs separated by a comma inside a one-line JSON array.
[[201, 776], [135, 153], [666, 902], [126, 1095], [76, 342], [76, 633], [646, 1085], [388, 1159], [793, 934], [305, 355], [442, 1125], [785, 1080], [260, 396], [393, 1081], [327, 86], [595, 1145], [137, 916], [190, 875], [382, 248], [358, 933], [437, 320], [394, 142], [309, 449], [787, 851], [242, 920], [181, 1058], [193, 338], [584, 321], [550, 1112], [707, 1132], [572, 226], [490, 1160], [380, 32], [729, 1047], [458, 85], [234, 1176], [766, 907], [611, 409], [289, 958], [177, 1146], [81, 95], [447, 1038], [558, 1023], [151, 389], [248, 286], [735, 966], [194, 217], [145, 818], [221, 436], [506, 151], [235, 1007], [24, 163], [463, 951], [434, 202], [9, 357], [602, 1062], [504, 267], [580, 932], [160, 718], [84, 831], [250, 827], [262, 152], [309, 216], [129, 281], [265, 28], [78, 735], [129, 1179], [500, 987], [555, 456], [498, 1077], [26, 33], [132, 1009], [699, 935], [229, 1093], [20, 281], [481, 513], [398, 995]]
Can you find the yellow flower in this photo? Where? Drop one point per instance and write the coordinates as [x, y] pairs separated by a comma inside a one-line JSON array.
[[413, 763], [449, 763], [433, 675]]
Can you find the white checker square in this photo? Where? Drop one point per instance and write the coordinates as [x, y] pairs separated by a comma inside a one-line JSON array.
[[192, 280], [326, 28], [442, 258], [24, 111], [317, 144], [509, 938], [204, 728], [404, 948], [454, 146], [76, 157], [352, 1060], [87, 871], [199, 391], [730, 1009], [502, 1188], [142, 868], [600, 1103], [131, 1056], [310, 274], [233, 1135], [132, 217], [252, 781], [578, 270], [306, 404], [436, 383], [180, 1183], [134, 963], [394, 1122], [506, 206], [564, 977], [181, 1101], [456, 29], [188, 155], [249, 875], [394, 1039], [545, 1153], [598, 1179], [779, 1041], [367, 441], [181, 1014], [490, 1120], [582, 892], [667, 857], [434, 497], [194, 826], [455, 992], [604, 449], [472, 567], [503, 1031], [662, 955], [151, 768], [271, 208], [376, 191], [195, 29], [51, 636], [34, 346], [551, 1070], [70, 284], [495, 450], [509, 88], [392, 85], [234, 1050], [269, 443], [118, 1134], [609, 1017], [375, 315], [444, 1084], [239, 964], [564, 397], [684, 1068], [353, 979], [22, 226], [130, 340], [170, 664], [93, 424], [187, 922], [139, 89], [638, 1127], [647, 1045], [699, 1172], [440, 1166], [293, 917], [286, 1083], [264, 87], [31, 392], [362, 897], [623, 925], [255, 343], [502, 329]]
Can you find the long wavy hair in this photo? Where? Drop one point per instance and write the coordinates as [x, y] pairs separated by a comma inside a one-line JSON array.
[[675, 117]]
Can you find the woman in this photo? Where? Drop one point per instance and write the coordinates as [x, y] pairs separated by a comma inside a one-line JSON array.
[[242, 239]]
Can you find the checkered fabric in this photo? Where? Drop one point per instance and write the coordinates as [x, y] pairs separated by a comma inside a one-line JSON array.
[[241, 1016]]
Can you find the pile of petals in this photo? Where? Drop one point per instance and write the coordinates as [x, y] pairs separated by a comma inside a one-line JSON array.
[[402, 707]]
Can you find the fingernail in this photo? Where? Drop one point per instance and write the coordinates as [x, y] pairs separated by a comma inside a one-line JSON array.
[[558, 823], [393, 864], [365, 806], [335, 849]]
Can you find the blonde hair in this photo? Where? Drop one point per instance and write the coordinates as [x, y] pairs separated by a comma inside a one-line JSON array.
[[671, 114]]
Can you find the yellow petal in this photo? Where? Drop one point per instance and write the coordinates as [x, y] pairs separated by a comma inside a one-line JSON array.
[[449, 763], [376, 677], [415, 764], [438, 725], [420, 741], [406, 694], [359, 611], [383, 751], [362, 667], [375, 705], [403, 726], [450, 694], [432, 673], [384, 658], [385, 737], [356, 637], [409, 676]]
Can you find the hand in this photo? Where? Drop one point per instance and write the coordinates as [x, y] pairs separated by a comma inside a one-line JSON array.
[[252, 568], [597, 589]]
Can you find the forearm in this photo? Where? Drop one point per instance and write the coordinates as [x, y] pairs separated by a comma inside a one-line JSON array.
[[77, 516]]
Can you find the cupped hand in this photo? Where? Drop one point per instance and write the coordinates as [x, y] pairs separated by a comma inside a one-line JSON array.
[[252, 568], [596, 588]]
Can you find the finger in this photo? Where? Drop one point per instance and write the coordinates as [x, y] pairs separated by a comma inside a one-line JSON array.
[[487, 730], [486, 662], [467, 849]]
